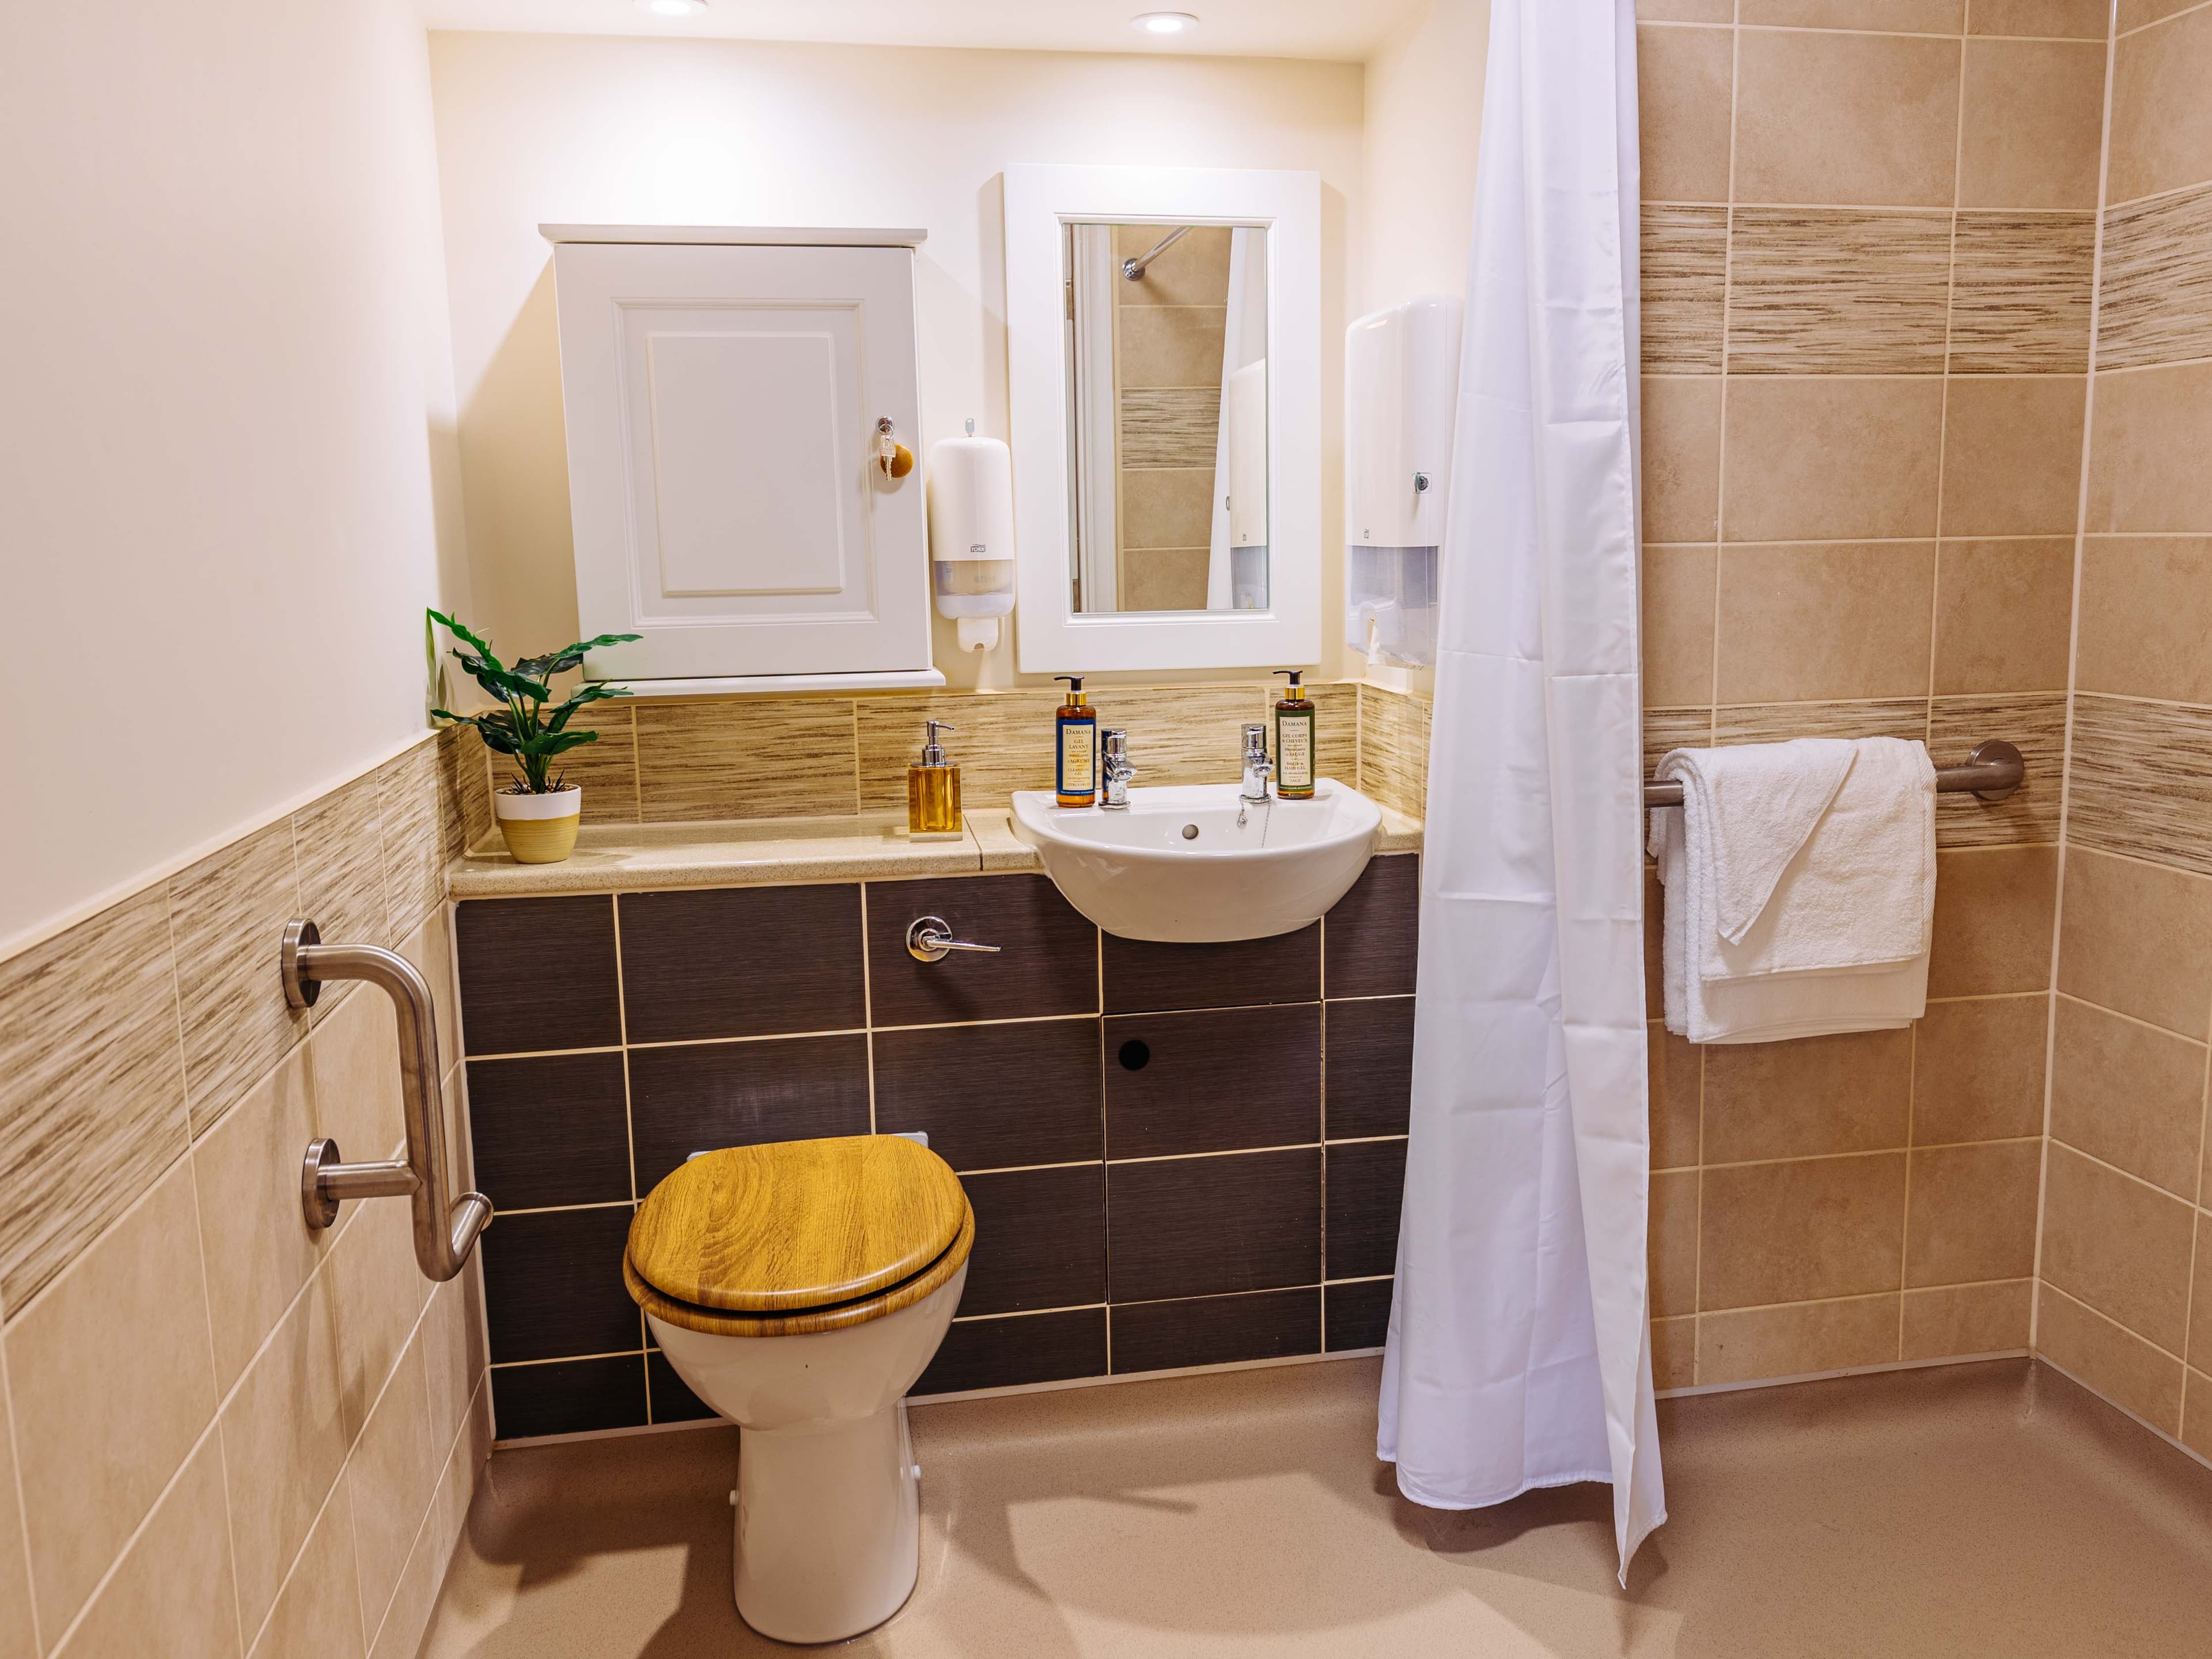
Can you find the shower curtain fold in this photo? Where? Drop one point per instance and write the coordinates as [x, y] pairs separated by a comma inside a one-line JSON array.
[[1519, 1345]]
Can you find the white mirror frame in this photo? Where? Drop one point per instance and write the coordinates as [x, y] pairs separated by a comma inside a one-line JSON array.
[[1051, 636]]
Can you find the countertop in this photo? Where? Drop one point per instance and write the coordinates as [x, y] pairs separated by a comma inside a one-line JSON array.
[[628, 858]]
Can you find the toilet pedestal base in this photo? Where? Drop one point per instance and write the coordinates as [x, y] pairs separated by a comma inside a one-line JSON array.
[[829, 1533]]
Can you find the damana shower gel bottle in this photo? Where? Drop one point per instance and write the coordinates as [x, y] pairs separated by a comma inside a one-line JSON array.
[[1075, 759]]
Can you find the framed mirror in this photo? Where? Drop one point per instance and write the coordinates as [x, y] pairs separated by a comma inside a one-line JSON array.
[[1163, 360]]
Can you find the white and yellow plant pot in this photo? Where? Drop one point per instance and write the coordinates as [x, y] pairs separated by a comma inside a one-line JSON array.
[[540, 829]]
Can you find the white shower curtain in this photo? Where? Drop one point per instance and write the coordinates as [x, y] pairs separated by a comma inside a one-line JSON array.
[[1519, 1349]]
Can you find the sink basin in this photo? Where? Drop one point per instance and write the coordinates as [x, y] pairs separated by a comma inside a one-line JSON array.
[[1176, 865]]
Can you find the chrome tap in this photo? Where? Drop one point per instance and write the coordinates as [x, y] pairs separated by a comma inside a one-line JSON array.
[[1258, 768], [1115, 772]]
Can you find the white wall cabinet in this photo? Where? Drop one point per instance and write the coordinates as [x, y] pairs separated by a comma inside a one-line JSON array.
[[722, 390]]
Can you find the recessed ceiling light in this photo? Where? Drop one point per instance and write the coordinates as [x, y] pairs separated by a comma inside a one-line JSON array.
[[672, 8], [1164, 22]]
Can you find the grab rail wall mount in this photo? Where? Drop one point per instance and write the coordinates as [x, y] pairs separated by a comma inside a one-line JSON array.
[[444, 1232]]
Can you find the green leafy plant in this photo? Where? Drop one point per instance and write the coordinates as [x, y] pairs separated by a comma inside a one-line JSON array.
[[523, 726]]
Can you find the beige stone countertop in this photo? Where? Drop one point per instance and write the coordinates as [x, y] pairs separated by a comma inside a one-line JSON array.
[[611, 858]]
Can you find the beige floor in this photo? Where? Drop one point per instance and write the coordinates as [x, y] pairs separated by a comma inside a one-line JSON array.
[[1991, 1509]]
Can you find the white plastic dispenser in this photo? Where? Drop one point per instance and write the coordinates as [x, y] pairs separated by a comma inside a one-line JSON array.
[[1402, 383], [971, 534]]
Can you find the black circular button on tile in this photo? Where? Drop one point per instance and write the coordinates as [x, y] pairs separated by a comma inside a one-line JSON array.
[[1135, 1054]]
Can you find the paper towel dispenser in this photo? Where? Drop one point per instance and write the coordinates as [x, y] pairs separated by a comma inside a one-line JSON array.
[[1402, 382]]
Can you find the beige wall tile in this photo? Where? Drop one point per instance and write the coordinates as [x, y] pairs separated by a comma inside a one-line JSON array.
[[1682, 80], [1966, 1318], [1837, 291], [1393, 749], [1807, 1096], [418, 799], [1971, 1217], [1686, 11], [2161, 120], [1676, 1066], [1683, 259], [2200, 1301], [2196, 1415], [1188, 734], [1336, 732], [2138, 938], [381, 1293], [225, 913], [767, 757], [1677, 624], [1171, 345], [2135, 14], [1796, 1340], [2003, 610], [1669, 729], [92, 1086], [1177, 427], [453, 1352], [1903, 16], [19, 1636], [283, 1442], [111, 1381], [1994, 909], [470, 764], [1167, 507], [1194, 273], [1653, 969], [389, 1482], [175, 1581], [2156, 303], [318, 1611], [337, 841], [1824, 622], [1674, 1353], [353, 1061], [2020, 295], [1977, 1070], [2109, 1358], [2119, 1246], [1846, 120], [2036, 726], [2012, 455], [1005, 743], [1672, 1265], [2141, 781], [2146, 614], [2072, 20], [1803, 1231], [1681, 458], [1159, 579], [605, 768], [1831, 458], [2129, 1094], [2152, 429], [429, 949], [1892, 717], [2033, 121], [258, 1249]]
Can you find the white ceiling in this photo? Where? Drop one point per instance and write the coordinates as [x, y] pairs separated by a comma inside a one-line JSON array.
[[1347, 30]]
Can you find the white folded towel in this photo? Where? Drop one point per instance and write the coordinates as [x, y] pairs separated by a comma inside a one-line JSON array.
[[1801, 888]]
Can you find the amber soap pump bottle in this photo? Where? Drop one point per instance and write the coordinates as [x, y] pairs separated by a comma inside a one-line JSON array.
[[1294, 740], [1075, 759], [933, 790]]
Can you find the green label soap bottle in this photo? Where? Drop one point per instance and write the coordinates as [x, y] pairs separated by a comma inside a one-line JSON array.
[[1294, 741]]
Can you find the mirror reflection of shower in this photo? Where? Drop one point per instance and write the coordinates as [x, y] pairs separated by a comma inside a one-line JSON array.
[[1167, 379]]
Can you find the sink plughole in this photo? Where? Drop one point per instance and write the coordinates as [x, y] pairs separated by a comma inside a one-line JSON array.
[[1176, 865]]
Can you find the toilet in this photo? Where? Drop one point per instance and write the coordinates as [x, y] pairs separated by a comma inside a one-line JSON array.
[[799, 1288]]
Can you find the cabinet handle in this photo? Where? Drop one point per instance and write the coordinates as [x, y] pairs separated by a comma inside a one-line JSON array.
[[930, 939]]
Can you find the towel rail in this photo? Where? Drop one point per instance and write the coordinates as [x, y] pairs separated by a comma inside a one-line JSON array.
[[1991, 773]]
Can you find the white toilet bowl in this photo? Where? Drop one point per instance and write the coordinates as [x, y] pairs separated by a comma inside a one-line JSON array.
[[772, 1277]]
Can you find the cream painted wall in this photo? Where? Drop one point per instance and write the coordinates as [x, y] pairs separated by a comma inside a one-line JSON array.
[[226, 466], [1424, 119], [551, 128]]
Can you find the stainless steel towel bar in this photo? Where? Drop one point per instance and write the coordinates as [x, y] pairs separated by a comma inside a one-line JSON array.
[[444, 1232], [1993, 771]]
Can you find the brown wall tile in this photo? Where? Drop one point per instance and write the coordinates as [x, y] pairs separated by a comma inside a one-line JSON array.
[[2110, 1360], [1673, 1254], [2120, 1246], [1168, 345], [2012, 455], [1682, 79], [1904, 16], [1972, 1213], [1039, 1239], [1215, 1330], [1809, 1097], [1810, 1337], [550, 1129], [2152, 429], [2130, 15], [1212, 1082], [993, 1096], [226, 913], [1676, 1067], [1846, 120], [1824, 621], [2137, 937], [2035, 725], [1893, 717], [692, 960], [1686, 11], [1165, 506], [338, 842], [2161, 121], [1370, 938], [2155, 304], [1802, 1231], [1993, 918], [1145, 976], [765, 758], [1977, 1070], [1683, 260], [2072, 20], [1364, 1183], [2003, 610], [418, 801], [2141, 781], [700, 1096], [998, 1354], [1677, 624], [1831, 460], [1048, 959], [1837, 291], [1356, 1315], [2020, 296], [2128, 1094], [2146, 614], [2033, 122], [1369, 1079], [1966, 1318], [1206, 1226], [1681, 458], [1674, 1353], [471, 768], [511, 1003]]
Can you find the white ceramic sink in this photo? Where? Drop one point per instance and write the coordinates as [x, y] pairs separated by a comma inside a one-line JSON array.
[[1176, 865]]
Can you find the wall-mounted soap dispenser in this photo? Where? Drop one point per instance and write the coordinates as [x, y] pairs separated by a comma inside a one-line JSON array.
[[1401, 387], [971, 534]]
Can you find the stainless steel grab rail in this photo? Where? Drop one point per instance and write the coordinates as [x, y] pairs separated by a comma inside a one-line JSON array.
[[1992, 771], [445, 1232]]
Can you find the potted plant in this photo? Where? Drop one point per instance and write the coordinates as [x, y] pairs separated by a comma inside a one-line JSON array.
[[539, 811]]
